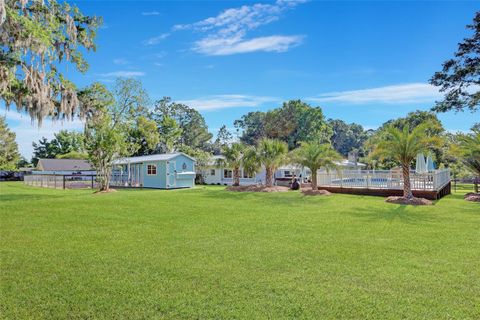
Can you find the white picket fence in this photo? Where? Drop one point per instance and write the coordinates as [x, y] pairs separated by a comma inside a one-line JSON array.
[[382, 179]]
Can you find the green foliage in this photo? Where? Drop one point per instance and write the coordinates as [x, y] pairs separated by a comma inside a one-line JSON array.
[[224, 138], [460, 76], [347, 137], [294, 122], [64, 142], [144, 136], [104, 142], [116, 125], [403, 145], [297, 121], [170, 134], [9, 155], [315, 155], [73, 155], [412, 120], [36, 36], [233, 158], [268, 153], [194, 130], [469, 151], [252, 126], [206, 253]]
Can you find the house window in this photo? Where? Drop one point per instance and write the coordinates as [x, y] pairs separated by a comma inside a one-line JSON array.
[[287, 174], [151, 169], [247, 175], [227, 173], [212, 172]]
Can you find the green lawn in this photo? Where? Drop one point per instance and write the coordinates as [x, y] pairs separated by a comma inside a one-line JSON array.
[[209, 253]]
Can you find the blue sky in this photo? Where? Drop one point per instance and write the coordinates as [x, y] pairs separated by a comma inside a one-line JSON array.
[[363, 62]]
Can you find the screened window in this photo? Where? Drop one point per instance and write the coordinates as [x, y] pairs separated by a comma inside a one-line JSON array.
[[212, 172], [287, 174], [151, 169], [227, 173], [247, 175]]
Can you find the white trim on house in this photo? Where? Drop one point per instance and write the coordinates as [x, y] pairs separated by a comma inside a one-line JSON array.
[[150, 169], [153, 157]]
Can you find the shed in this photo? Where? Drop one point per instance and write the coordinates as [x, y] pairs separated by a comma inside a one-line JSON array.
[[161, 171]]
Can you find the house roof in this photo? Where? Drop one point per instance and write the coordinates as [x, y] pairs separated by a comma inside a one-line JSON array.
[[348, 163], [64, 165], [153, 157]]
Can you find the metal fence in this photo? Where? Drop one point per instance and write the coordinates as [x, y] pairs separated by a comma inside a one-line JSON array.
[[61, 181], [382, 179]]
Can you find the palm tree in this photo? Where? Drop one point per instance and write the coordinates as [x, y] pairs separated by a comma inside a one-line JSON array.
[[315, 155], [269, 153], [403, 145], [233, 158], [469, 146]]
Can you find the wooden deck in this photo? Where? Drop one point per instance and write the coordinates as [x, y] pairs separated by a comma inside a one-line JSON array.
[[427, 194], [431, 185]]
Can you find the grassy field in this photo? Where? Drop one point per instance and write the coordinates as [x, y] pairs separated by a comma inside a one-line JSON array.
[[209, 253]]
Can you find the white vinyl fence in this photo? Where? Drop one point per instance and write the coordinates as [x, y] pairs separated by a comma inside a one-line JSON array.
[[382, 179]]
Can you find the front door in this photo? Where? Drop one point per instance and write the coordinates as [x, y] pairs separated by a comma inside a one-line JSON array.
[[171, 174]]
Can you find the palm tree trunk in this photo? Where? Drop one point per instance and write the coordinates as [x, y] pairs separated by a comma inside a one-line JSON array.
[[407, 189], [236, 177], [314, 180], [268, 177]]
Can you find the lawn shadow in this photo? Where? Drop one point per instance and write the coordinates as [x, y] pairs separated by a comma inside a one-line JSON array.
[[283, 199], [394, 212], [27, 197]]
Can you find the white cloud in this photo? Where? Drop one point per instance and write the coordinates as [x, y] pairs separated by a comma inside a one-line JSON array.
[[150, 13], [156, 40], [122, 74], [216, 102], [395, 94], [268, 44], [120, 61], [226, 33]]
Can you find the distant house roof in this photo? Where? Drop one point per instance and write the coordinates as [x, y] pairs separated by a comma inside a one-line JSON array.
[[153, 157], [64, 165], [348, 163]]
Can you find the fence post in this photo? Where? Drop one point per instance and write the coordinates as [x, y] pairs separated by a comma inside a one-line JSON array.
[[64, 182], [92, 181]]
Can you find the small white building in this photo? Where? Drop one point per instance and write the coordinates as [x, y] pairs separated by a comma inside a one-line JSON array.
[[283, 175], [224, 176]]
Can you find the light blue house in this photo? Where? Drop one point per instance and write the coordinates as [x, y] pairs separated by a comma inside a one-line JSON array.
[[161, 171]]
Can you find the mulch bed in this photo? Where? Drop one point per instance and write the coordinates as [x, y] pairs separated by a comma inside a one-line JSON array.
[[104, 191], [254, 188], [475, 197], [414, 201], [311, 192]]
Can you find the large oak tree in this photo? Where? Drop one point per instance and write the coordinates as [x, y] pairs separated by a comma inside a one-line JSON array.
[[36, 38]]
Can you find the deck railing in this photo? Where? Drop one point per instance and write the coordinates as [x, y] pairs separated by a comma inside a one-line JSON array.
[[123, 180], [382, 179]]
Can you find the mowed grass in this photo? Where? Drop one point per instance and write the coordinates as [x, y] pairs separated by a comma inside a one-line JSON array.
[[208, 253]]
